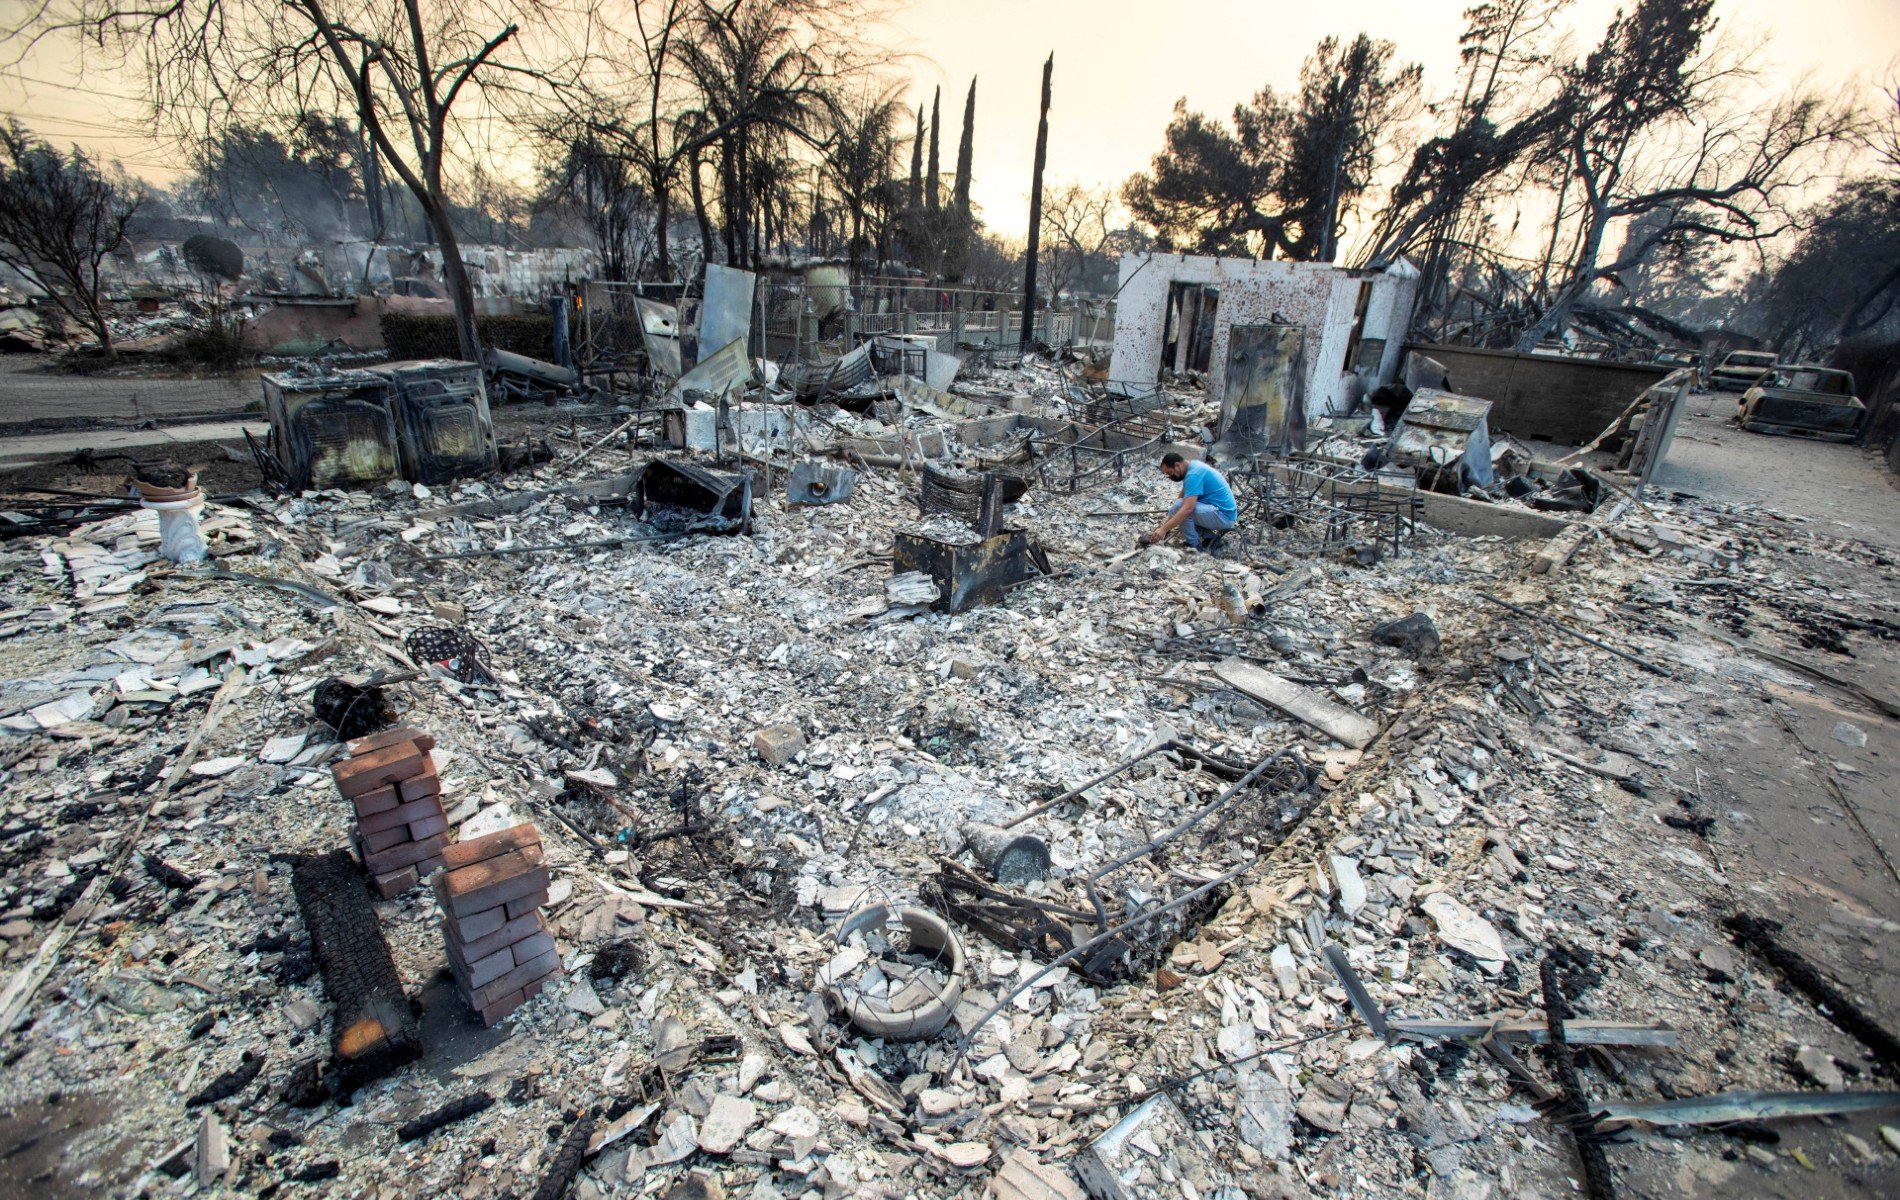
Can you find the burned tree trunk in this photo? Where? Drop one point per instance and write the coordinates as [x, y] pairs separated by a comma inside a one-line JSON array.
[[373, 1030], [1035, 208]]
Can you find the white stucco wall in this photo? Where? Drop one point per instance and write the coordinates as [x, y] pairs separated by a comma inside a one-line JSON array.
[[1318, 297]]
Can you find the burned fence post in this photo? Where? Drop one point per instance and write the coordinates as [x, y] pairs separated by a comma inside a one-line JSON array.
[[989, 521]]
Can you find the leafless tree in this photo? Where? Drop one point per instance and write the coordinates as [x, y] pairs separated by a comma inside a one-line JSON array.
[[646, 113], [61, 217], [996, 263], [408, 69], [1654, 143], [1077, 223], [1501, 125], [600, 187]]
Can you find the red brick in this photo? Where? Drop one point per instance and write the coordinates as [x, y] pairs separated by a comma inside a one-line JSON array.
[[483, 971], [499, 893], [531, 948], [515, 980], [524, 926], [534, 989], [402, 814], [391, 737], [430, 865], [379, 801], [428, 827], [475, 925], [493, 1013], [474, 850], [395, 883], [406, 855], [525, 904], [366, 773], [423, 783], [386, 839], [495, 881]]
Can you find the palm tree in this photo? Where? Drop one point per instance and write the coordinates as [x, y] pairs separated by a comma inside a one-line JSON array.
[[863, 159], [761, 86]]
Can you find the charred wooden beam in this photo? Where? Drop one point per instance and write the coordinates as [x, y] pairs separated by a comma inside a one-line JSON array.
[[374, 1029]]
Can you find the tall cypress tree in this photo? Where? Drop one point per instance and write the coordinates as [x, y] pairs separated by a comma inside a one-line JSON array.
[[964, 148], [917, 164], [931, 179], [1035, 207]]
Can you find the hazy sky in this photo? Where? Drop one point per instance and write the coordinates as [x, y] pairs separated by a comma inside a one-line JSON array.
[[1120, 66]]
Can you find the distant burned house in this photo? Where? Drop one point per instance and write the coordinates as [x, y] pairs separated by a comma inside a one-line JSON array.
[[1338, 330]]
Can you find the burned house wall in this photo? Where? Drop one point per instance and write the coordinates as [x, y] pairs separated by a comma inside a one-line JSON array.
[[1545, 396], [1320, 298]]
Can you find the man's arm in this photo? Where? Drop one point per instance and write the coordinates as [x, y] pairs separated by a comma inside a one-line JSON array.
[[1176, 519]]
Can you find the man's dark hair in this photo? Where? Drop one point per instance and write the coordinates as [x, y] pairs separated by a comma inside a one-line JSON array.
[[1171, 458]]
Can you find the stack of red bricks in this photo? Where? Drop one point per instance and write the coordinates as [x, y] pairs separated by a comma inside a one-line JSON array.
[[491, 896], [400, 827]]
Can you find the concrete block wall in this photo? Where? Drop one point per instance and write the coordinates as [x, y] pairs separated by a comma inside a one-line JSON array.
[[1544, 396]]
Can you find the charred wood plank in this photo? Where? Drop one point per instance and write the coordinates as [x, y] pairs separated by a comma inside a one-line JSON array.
[[567, 1161]]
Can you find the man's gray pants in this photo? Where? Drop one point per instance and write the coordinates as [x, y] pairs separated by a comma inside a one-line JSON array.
[[1205, 517]]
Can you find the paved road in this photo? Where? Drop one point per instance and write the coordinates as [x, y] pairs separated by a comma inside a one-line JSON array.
[[26, 450], [26, 394], [1800, 780], [1844, 490]]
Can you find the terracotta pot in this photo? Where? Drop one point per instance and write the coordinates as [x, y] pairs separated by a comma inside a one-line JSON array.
[[153, 493]]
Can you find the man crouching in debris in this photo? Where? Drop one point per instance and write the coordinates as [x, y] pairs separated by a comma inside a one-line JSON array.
[[1205, 511]]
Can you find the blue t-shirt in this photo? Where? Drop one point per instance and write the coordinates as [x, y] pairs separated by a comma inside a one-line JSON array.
[[1204, 483]]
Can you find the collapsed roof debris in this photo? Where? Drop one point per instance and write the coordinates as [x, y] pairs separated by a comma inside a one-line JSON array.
[[834, 804]]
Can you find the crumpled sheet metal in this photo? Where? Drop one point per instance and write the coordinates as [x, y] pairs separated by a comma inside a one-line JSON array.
[[723, 500], [1726, 1107], [811, 380]]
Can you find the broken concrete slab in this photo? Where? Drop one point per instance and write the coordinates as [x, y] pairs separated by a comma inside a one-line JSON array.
[[1330, 717], [726, 1123], [1023, 1176], [778, 744], [1462, 929], [1149, 1153]]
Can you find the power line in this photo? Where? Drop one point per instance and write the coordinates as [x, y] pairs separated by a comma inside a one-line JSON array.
[[71, 87], [110, 129]]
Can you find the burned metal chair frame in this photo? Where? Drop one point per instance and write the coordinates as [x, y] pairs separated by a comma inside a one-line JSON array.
[[1357, 501], [1342, 505], [1116, 432], [991, 355], [891, 360]]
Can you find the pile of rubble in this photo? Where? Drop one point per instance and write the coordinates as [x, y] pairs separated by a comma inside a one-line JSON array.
[[1152, 873]]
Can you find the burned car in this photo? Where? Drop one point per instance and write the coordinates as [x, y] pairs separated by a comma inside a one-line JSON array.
[[1740, 370], [1807, 401]]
